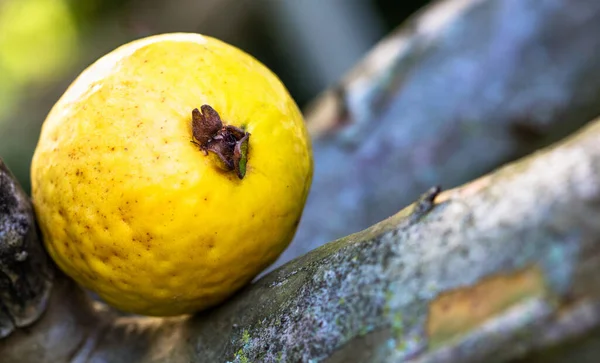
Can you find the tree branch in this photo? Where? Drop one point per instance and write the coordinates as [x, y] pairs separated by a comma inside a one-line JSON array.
[[460, 89], [25, 278]]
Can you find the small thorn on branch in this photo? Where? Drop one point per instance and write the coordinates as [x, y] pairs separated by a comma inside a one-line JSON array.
[[426, 202]]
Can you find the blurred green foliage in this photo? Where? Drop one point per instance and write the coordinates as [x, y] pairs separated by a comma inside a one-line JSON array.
[[37, 39], [40, 45]]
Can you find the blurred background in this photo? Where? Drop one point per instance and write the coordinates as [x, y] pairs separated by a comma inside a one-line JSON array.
[[45, 44]]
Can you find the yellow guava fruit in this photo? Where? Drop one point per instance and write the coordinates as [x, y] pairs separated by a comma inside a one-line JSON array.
[[171, 172]]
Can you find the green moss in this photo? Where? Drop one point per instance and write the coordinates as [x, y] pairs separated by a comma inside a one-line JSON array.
[[364, 330], [388, 297], [398, 325], [245, 337], [241, 357]]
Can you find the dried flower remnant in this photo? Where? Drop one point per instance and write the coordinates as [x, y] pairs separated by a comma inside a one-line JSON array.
[[227, 142]]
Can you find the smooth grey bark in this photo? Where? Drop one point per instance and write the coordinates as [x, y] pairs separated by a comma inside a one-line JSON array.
[[461, 88]]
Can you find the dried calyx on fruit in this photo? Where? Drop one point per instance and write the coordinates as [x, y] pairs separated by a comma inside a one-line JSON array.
[[229, 143]]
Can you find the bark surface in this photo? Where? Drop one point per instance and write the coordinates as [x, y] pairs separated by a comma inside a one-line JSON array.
[[460, 89]]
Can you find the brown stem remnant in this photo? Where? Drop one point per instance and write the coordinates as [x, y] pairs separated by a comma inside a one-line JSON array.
[[227, 142]]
